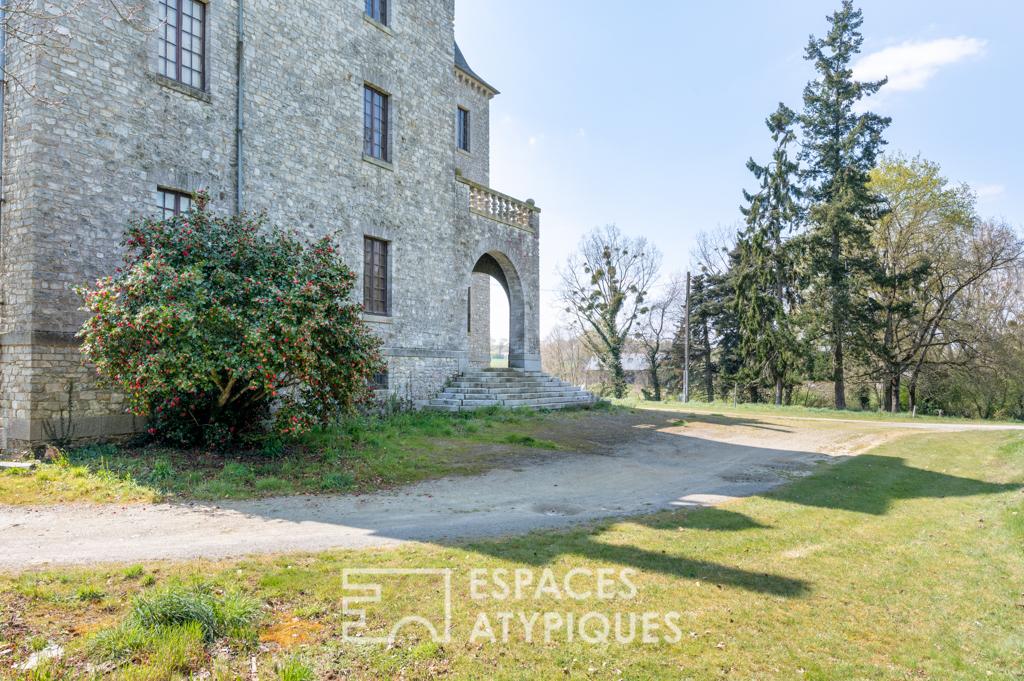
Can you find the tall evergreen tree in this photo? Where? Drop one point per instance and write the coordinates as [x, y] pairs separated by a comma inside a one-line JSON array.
[[765, 272], [839, 148]]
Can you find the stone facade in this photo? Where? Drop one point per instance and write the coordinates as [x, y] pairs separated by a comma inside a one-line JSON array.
[[74, 172]]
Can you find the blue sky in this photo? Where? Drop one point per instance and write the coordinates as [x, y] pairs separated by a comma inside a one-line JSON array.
[[644, 114]]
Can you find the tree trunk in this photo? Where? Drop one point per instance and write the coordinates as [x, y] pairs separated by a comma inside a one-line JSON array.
[[887, 392], [778, 391], [837, 330], [837, 369], [896, 383], [912, 394], [655, 382], [618, 376], [709, 377]]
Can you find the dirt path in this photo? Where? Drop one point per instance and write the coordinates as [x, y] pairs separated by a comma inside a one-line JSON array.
[[650, 463]]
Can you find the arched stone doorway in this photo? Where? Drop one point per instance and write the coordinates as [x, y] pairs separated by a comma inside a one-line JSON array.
[[498, 266]]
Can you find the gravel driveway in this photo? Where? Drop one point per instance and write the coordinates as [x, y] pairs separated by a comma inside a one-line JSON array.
[[649, 467]]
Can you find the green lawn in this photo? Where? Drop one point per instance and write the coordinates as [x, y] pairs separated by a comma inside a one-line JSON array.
[[906, 562]]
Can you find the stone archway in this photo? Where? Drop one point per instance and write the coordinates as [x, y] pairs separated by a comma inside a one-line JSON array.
[[498, 265]]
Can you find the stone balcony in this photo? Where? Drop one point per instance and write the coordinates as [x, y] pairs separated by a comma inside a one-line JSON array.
[[488, 203]]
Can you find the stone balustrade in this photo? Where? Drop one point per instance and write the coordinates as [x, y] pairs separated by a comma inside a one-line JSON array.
[[497, 206]]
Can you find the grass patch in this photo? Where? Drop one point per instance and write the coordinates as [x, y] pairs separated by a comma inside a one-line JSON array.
[[906, 562], [294, 668], [133, 572], [360, 455], [528, 441], [218, 615]]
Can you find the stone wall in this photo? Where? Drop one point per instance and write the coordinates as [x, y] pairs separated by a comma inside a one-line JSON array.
[[76, 171], [474, 98], [480, 327]]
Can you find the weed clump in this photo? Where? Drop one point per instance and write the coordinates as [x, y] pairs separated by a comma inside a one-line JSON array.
[[230, 615]]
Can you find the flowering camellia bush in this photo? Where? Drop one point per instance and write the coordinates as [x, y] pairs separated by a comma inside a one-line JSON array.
[[214, 323]]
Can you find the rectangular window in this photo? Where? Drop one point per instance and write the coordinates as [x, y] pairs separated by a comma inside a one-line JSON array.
[[181, 38], [173, 203], [377, 10], [463, 129], [375, 276], [375, 123], [380, 381], [469, 311]]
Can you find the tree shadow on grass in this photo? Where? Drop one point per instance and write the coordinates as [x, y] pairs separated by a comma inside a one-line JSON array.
[[870, 483], [723, 420], [587, 544], [864, 484]]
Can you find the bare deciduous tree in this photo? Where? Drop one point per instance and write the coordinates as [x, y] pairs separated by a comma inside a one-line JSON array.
[[604, 289], [563, 353]]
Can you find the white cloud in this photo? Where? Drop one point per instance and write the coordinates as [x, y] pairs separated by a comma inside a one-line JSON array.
[[987, 191], [533, 141], [910, 65]]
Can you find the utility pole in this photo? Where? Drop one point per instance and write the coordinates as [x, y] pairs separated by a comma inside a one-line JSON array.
[[686, 359]]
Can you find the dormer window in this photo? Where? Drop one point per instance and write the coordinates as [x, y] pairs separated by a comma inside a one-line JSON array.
[[463, 129], [377, 10]]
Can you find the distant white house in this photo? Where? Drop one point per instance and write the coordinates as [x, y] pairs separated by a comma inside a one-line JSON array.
[[634, 364]]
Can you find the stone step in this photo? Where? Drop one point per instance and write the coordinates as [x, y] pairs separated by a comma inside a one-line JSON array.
[[507, 388], [505, 398], [477, 388]]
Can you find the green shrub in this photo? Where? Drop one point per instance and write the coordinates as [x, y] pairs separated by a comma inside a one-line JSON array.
[[212, 320]]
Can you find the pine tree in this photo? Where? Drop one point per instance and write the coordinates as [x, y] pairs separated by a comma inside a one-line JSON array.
[[839, 148], [765, 273]]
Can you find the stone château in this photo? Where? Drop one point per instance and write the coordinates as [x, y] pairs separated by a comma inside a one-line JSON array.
[[361, 116]]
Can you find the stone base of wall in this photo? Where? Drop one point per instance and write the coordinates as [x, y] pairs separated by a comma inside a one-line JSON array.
[[421, 378], [35, 370]]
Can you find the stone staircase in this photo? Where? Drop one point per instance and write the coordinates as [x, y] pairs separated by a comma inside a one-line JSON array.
[[509, 388]]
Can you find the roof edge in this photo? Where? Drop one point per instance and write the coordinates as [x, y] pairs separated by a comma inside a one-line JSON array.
[[463, 66]]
